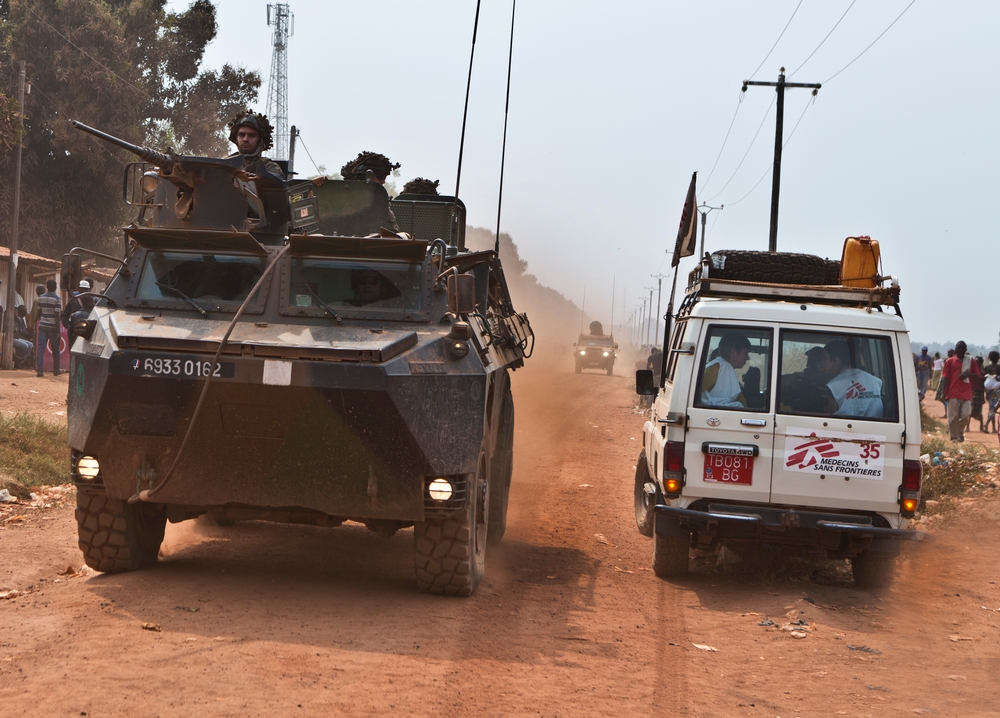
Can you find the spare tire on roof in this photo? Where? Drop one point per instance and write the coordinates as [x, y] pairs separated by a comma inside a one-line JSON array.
[[770, 267], [832, 271]]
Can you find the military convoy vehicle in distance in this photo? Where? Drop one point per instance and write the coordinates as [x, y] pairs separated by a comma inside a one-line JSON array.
[[243, 365], [596, 350]]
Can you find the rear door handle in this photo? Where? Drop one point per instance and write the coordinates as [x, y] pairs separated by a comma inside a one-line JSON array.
[[753, 422]]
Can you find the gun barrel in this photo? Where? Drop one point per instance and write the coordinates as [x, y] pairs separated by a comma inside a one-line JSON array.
[[144, 153]]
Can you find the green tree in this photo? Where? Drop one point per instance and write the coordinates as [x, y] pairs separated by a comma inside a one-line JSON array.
[[127, 67]]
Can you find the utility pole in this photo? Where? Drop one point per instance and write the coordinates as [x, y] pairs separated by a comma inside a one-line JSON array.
[[7, 347], [772, 242], [704, 217], [642, 320], [649, 317], [659, 296]]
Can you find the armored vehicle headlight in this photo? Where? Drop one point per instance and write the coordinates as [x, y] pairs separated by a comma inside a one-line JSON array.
[[583, 352], [605, 353], [459, 349], [440, 489], [148, 182], [88, 467]]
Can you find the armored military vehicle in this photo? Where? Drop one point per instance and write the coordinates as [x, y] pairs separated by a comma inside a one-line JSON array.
[[596, 350], [271, 352]]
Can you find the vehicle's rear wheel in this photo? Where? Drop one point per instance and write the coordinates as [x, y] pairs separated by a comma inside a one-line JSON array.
[[450, 554], [873, 570], [670, 556], [115, 535], [644, 516], [501, 468]]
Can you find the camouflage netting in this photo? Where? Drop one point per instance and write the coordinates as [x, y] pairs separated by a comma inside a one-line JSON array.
[[256, 120], [421, 186], [381, 165]]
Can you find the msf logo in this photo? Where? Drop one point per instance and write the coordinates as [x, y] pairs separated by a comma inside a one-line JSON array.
[[810, 452], [855, 390]]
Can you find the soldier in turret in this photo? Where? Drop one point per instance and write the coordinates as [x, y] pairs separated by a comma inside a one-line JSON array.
[[252, 134], [381, 167]]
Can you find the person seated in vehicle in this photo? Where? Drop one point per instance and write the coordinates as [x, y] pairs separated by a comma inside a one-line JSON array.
[[373, 288], [252, 134], [805, 391], [381, 167], [852, 391], [719, 384]]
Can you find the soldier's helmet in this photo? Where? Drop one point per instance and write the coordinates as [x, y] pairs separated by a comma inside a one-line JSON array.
[[421, 186], [256, 120], [380, 165]]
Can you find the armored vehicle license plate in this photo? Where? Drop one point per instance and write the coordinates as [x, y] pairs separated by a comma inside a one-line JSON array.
[[729, 464], [175, 367]]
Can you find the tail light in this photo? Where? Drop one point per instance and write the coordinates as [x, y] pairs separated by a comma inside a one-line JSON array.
[[909, 495], [673, 468]]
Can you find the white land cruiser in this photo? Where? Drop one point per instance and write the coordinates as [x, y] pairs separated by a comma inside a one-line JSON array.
[[787, 414]]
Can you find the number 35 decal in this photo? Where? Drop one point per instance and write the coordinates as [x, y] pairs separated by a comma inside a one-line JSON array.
[[870, 451]]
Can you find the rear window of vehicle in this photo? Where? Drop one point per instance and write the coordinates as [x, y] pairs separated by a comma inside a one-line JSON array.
[[837, 374], [735, 369]]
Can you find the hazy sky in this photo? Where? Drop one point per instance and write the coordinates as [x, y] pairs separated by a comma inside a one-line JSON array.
[[613, 105]]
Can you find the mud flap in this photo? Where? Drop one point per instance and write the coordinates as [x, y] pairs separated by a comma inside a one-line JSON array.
[[670, 527]]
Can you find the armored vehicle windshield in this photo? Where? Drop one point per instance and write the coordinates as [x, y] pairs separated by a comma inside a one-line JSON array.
[[346, 284], [172, 276]]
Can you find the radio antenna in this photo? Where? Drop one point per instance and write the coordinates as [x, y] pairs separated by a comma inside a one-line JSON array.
[[506, 110], [465, 112]]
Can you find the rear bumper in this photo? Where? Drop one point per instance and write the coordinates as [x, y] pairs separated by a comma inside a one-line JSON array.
[[808, 527]]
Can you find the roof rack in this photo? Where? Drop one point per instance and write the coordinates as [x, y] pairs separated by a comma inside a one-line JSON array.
[[701, 284]]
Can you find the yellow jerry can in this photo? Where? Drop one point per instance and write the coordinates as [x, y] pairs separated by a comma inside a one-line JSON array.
[[859, 264]]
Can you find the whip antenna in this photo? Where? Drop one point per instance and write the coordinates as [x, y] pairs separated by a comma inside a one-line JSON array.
[[465, 112], [506, 110]]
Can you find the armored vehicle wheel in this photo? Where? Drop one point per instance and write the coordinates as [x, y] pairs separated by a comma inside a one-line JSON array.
[[670, 547], [450, 553], [872, 570], [644, 515], [115, 535], [780, 267], [501, 468], [579, 369], [611, 369]]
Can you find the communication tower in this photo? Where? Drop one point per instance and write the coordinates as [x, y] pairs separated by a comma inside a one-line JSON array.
[[281, 18]]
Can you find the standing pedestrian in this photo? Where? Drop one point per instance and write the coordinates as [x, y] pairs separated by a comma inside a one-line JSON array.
[[923, 364], [48, 328], [938, 366], [991, 383], [957, 374]]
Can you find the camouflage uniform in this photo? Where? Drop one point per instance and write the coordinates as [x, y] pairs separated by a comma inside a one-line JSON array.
[[381, 167], [252, 162]]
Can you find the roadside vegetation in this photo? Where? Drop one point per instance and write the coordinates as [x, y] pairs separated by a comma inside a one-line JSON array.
[[954, 471], [32, 452]]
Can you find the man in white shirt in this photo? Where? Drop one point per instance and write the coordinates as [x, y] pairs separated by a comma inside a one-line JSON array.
[[719, 384], [853, 391]]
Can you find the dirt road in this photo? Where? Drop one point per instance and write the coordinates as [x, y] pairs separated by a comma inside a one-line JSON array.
[[265, 620]]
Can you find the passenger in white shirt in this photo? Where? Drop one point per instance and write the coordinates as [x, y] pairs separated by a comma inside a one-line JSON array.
[[719, 384], [853, 391]]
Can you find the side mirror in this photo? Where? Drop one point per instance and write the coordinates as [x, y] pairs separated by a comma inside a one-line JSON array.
[[71, 273], [461, 294], [644, 384]]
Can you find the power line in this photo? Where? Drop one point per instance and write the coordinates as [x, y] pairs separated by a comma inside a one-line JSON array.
[[763, 120], [738, 103], [44, 22], [873, 42], [785, 144], [777, 41], [824, 39]]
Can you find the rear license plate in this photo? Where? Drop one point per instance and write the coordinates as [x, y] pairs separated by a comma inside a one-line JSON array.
[[728, 469]]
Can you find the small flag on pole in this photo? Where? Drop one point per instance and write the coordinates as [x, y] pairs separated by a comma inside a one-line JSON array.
[[687, 233]]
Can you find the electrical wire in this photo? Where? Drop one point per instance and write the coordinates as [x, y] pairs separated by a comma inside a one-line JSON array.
[[718, 156], [784, 144], [298, 136], [776, 41], [873, 42], [824, 39], [759, 127], [45, 22]]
